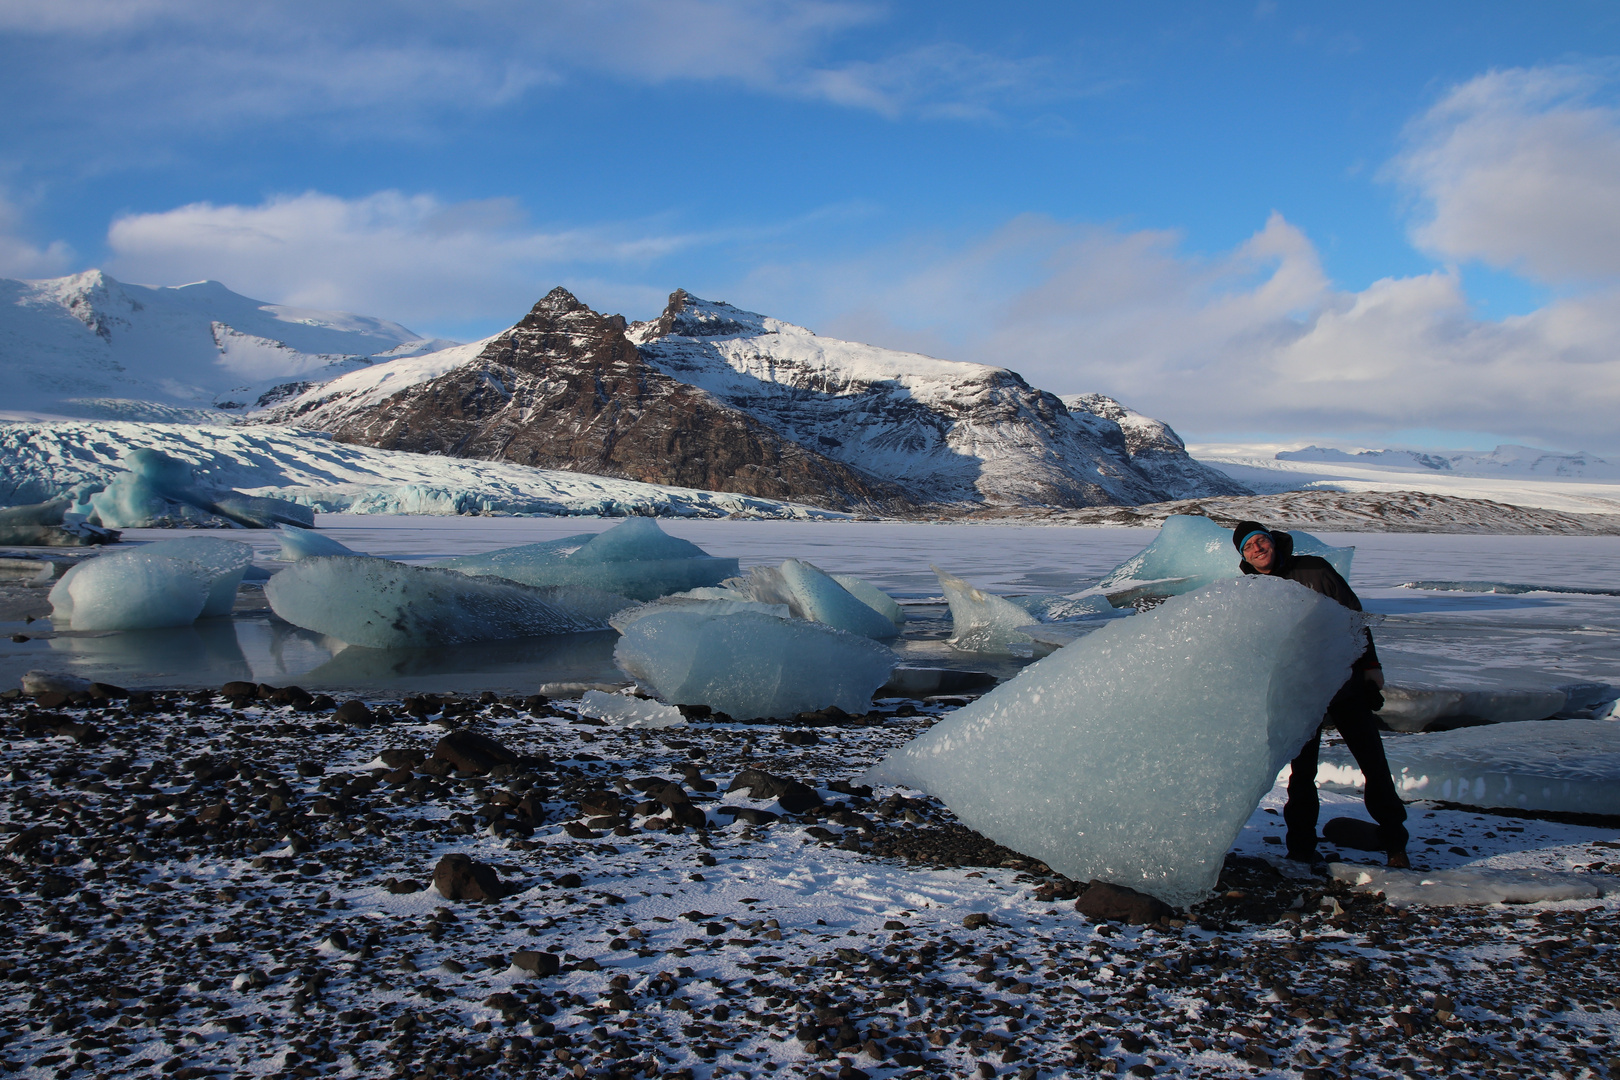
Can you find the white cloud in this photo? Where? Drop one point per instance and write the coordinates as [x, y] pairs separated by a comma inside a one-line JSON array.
[[1520, 169], [1254, 340], [407, 257]]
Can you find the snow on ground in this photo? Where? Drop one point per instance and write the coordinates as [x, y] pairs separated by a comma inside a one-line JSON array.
[[47, 459], [200, 885], [1515, 478], [217, 886]]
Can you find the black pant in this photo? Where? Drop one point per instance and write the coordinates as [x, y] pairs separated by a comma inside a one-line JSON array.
[[1360, 730]]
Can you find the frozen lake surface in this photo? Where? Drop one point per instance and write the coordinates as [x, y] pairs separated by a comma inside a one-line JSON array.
[[1465, 640]]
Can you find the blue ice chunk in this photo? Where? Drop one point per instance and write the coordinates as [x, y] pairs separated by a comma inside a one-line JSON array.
[[873, 597], [635, 559], [1136, 754], [382, 604], [750, 664], [223, 562], [809, 593], [297, 543], [983, 622], [130, 590], [1191, 551]]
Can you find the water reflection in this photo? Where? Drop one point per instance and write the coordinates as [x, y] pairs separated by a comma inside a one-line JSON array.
[[517, 664], [177, 656]]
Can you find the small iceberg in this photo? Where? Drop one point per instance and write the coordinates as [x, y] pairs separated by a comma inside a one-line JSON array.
[[1191, 551], [635, 559], [165, 584]]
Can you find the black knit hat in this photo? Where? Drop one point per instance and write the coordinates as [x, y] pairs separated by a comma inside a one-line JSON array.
[[1243, 530]]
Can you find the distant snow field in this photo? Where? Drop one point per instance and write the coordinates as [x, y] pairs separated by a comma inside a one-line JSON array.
[[1519, 475]]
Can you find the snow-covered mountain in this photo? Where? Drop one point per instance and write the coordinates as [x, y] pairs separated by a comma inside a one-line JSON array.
[[711, 395], [951, 432], [91, 346]]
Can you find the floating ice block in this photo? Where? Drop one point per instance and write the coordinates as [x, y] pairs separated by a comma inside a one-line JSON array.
[[1192, 551], [384, 605], [873, 597], [636, 559], [1570, 766], [1136, 754], [297, 543], [749, 664], [728, 604], [983, 622], [131, 590], [810, 593]]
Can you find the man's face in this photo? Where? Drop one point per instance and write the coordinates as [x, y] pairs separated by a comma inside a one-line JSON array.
[[1260, 553]]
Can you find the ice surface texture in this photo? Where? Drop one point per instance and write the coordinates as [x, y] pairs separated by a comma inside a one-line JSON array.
[[635, 558], [873, 597], [1559, 765], [385, 605], [1136, 754], [170, 583], [1192, 551], [748, 664]]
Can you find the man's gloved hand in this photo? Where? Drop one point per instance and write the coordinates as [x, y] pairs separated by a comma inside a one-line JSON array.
[[1371, 689]]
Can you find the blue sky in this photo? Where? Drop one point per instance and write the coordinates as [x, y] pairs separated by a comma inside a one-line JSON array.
[[1349, 224]]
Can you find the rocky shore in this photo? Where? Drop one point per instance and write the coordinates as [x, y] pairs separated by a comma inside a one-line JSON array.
[[258, 882]]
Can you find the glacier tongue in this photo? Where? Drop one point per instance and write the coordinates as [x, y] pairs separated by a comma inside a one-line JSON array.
[[1136, 754], [384, 605]]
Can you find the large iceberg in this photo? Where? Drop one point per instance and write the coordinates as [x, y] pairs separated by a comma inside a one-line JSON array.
[[1192, 551], [748, 663], [169, 583], [387, 605], [635, 558], [1136, 754], [812, 594], [1572, 766], [160, 490]]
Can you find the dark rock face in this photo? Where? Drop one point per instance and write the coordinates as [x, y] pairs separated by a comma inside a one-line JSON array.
[[565, 389], [1157, 452], [473, 753]]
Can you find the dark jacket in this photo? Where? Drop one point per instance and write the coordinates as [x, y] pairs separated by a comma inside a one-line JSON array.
[[1315, 572]]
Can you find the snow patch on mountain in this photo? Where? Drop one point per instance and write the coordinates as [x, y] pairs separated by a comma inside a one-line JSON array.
[[45, 460], [89, 345], [1505, 460]]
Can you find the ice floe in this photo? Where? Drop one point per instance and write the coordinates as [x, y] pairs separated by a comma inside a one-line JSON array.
[[166, 584], [1136, 754], [621, 710], [385, 605], [1191, 551], [635, 558]]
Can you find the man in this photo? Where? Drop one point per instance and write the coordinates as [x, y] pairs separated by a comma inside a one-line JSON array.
[[1351, 710]]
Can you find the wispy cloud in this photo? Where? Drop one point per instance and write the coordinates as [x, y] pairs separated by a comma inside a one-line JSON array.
[[22, 257], [1520, 169], [409, 257], [152, 65]]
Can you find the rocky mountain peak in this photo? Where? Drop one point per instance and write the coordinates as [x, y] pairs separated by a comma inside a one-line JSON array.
[[689, 316]]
